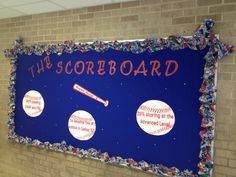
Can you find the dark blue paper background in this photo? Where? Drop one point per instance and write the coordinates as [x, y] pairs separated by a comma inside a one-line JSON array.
[[117, 131]]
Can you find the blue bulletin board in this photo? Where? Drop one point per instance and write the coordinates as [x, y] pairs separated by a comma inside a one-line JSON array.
[[130, 103]]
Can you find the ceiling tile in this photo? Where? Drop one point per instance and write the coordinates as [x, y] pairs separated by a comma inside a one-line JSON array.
[[115, 1], [8, 13], [39, 7], [28, 7], [69, 4], [10, 3]]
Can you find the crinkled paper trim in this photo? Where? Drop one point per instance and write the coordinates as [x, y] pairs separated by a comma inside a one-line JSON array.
[[203, 37]]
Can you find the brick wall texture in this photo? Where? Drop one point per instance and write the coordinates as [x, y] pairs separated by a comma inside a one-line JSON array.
[[131, 20]]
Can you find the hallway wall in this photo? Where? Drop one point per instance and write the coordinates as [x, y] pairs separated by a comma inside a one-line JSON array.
[[131, 20]]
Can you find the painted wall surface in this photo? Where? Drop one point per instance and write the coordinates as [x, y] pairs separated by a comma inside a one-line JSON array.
[[131, 20]]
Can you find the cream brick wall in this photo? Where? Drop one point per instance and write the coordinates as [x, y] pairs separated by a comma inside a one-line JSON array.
[[132, 20]]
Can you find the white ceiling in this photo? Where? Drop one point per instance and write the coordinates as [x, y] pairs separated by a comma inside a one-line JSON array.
[[15, 8]]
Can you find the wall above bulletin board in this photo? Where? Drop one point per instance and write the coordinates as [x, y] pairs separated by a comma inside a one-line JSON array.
[[135, 104]]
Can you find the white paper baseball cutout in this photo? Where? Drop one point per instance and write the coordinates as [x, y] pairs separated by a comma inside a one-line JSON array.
[[33, 103], [82, 125], [155, 117]]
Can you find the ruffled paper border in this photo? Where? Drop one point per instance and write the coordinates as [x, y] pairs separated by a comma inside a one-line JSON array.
[[203, 37]]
